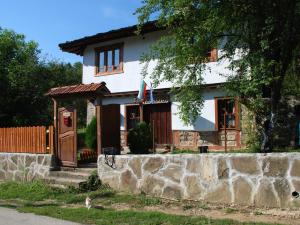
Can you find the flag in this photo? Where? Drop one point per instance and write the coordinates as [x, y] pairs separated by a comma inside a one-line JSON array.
[[142, 92]]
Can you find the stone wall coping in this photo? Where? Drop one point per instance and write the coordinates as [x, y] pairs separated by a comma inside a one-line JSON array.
[[22, 153], [288, 154]]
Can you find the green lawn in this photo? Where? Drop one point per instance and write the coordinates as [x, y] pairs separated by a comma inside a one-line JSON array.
[[276, 150], [38, 198]]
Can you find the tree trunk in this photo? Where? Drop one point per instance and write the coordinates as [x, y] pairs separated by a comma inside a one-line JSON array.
[[267, 134], [269, 124]]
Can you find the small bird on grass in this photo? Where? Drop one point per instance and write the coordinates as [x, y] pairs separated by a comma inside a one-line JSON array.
[[88, 202]]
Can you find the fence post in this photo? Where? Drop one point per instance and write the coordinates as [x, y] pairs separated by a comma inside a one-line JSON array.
[[50, 146]]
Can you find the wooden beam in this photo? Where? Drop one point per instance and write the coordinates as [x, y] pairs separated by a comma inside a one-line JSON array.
[[99, 128], [125, 125], [55, 124], [141, 112]]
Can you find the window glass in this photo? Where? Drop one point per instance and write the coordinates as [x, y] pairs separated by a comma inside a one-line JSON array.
[[101, 62], [117, 58], [226, 113], [109, 61], [133, 116]]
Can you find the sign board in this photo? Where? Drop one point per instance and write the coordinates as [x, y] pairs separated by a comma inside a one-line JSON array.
[[66, 114]]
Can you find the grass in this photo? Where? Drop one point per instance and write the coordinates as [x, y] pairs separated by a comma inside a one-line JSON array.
[[276, 150], [187, 151], [257, 213], [38, 191], [230, 210], [108, 216], [203, 206], [38, 198]]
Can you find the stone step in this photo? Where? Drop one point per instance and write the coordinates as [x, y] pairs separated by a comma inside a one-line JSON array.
[[80, 170], [70, 174], [60, 186], [59, 181], [88, 165]]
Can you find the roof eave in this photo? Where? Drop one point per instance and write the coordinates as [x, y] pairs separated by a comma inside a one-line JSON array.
[[78, 46]]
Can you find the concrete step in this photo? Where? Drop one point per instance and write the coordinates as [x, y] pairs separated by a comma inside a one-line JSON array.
[[66, 176], [86, 170], [70, 174], [88, 165], [59, 181], [60, 186], [80, 170]]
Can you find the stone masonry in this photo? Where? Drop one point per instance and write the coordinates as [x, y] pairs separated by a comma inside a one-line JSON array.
[[245, 179], [24, 167], [215, 140]]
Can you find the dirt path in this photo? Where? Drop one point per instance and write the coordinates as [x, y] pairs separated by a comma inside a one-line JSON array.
[[272, 216], [233, 212]]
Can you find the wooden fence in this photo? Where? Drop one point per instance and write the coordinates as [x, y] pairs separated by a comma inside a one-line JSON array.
[[37, 140]]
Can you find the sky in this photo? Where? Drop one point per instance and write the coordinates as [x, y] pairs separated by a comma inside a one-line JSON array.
[[50, 22]]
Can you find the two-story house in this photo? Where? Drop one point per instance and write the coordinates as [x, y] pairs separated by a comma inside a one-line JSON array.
[[113, 57]]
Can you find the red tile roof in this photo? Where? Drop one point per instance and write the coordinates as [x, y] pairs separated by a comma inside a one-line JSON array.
[[79, 89]]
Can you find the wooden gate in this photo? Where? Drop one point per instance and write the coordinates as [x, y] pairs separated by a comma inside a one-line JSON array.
[[67, 137], [110, 126]]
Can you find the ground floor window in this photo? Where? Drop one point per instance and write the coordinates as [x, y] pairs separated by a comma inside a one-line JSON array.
[[157, 115], [132, 116], [226, 113]]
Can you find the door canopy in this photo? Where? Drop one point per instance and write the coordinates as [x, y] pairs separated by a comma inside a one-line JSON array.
[[79, 91]]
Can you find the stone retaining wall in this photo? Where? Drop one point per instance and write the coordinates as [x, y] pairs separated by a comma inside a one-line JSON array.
[[24, 167], [245, 179]]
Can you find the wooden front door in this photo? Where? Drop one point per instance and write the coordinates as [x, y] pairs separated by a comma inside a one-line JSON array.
[[110, 128], [159, 117], [67, 137]]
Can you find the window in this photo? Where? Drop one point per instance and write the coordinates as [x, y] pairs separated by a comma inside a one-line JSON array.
[[109, 59], [132, 116], [226, 113]]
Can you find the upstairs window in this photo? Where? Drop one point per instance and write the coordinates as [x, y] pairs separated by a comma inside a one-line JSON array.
[[109, 59], [226, 113]]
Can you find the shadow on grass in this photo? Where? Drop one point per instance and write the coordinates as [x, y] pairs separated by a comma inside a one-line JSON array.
[[10, 206], [40, 204]]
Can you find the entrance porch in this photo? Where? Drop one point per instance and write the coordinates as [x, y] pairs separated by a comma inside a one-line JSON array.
[[66, 117]]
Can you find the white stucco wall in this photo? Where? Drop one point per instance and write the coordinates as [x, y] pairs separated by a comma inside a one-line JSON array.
[[129, 80], [134, 47], [205, 121]]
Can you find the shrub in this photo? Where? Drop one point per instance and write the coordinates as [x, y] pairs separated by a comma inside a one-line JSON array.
[[91, 134], [140, 139], [92, 184], [81, 137]]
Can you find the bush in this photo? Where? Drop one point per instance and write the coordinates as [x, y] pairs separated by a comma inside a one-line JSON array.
[[81, 138], [92, 184], [91, 134], [140, 139]]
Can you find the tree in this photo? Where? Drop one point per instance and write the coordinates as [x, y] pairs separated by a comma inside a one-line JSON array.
[[25, 78], [265, 35]]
